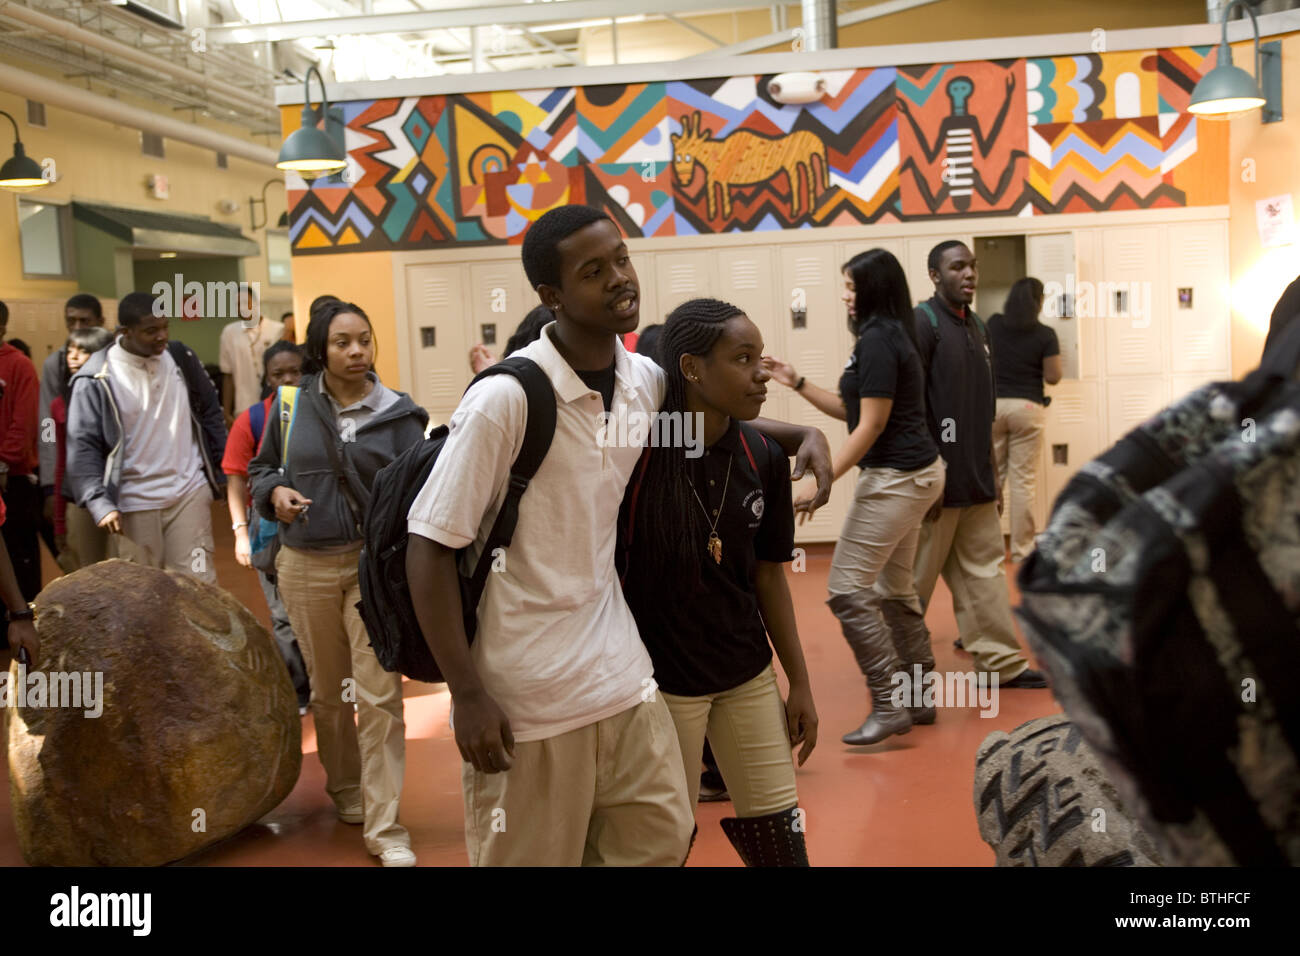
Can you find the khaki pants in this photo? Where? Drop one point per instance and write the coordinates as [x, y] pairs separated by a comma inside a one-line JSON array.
[[175, 538], [1017, 446], [747, 730], [87, 543], [612, 793], [965, 546], [363, 752]]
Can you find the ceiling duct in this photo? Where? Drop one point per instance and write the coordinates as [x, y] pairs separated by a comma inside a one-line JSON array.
[[819, 25]]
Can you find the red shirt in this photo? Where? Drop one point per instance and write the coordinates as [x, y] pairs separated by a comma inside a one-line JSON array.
[[59, 412], [18, 411], [240, 447]]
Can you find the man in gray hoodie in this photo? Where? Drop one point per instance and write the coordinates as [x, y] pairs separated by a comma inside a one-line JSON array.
[[145, 440]]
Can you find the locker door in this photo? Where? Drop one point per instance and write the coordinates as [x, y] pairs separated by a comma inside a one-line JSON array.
[[1050, 259], [1125, 301], [497, 303], [1131, 401], [1072, 432], [1088, 269], [748, 280], [1197, 293], [439, 344], [683, 275], [814, 345]]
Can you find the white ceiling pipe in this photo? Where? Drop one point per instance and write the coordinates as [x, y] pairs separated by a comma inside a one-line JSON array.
[[45, 90], [151, 61]]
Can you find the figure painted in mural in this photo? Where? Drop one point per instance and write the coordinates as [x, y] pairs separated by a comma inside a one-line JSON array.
[[959, 136], [747, 159]]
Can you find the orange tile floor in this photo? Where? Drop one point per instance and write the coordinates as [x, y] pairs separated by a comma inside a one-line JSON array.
[[904, 802]]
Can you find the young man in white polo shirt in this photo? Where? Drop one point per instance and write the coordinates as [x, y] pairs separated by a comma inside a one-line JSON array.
[[240, 357], [570, 754]]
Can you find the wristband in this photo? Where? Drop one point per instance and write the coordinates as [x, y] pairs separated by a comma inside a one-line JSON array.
[[238, 524], [26, 614], [799, 384]]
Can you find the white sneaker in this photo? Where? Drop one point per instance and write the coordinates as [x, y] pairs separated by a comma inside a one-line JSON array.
[[354, 814], [397, 856]]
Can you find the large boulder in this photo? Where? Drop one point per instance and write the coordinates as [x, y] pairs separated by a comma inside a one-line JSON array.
[[1043, 800], [198, 733]]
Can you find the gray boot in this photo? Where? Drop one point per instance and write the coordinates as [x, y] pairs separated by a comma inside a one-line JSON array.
[[912, 641], [869, 638]]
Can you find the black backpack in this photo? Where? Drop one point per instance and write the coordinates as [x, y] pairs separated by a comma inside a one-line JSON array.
[[385, 603]]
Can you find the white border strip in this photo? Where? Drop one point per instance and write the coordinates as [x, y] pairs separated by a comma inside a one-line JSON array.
[[906, 54]]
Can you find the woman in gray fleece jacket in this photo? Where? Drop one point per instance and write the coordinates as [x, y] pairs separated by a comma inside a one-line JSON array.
[[313, 475]]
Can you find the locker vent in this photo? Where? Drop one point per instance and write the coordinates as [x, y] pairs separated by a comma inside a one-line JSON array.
[[681, 280], [1135, 407], [437, 293], [1133, 351], [1053, 258], [744, 274], [1196, 252], [1197, 345], [1130, 255], [1069, 409], [808, 271], [812, 366], [442, 388]]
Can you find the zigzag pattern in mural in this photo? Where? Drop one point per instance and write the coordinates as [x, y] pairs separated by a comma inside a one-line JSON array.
[[1104, 164]]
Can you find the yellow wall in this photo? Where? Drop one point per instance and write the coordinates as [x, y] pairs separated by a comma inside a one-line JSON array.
[[98, 161], [934, 23], [1259, 275], [364, 278]]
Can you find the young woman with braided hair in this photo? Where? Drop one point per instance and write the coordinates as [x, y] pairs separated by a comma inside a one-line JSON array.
[[713, 531]]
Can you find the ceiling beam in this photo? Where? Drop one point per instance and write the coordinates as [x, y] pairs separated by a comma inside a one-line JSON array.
[[464, 17], [843, 20], [694, 29]]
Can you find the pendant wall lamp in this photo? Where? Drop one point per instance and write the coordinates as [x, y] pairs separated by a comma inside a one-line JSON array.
[[1228, 90], [253, 203], [20, 173], [311, 151]]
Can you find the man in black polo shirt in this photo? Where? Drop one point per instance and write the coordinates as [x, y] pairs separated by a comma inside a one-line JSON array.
[[965, 543]]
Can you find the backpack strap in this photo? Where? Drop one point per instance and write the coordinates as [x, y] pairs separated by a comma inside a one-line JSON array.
[[288, 415], [538, 432], [256, 422], [929, 314], [764, 453]]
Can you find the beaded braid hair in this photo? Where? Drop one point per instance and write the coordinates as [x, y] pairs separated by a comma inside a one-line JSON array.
[[667, 513]]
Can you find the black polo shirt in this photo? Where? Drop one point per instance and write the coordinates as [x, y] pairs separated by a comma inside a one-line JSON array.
[[1019, 354], [960, 401], [709, 644], [884, 364]]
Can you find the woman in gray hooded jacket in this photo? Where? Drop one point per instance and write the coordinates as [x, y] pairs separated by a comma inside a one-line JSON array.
[[313, 475]]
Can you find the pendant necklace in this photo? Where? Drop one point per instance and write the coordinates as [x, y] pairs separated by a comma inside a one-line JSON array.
[[714, 545]]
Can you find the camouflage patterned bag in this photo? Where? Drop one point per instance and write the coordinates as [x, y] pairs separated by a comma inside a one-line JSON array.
[[1164, 600]]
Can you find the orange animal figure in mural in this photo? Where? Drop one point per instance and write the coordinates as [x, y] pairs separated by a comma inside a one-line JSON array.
[[746, 159]]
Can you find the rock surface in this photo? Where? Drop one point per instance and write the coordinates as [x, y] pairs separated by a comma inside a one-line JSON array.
[[199, 733], [1043, 800]]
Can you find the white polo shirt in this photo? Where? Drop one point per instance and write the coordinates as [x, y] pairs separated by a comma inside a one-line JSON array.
[[557, 647], [241, 356]]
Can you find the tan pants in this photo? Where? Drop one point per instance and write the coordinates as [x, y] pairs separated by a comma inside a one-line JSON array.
[[612, 793], [87, 543], [176, 538], [363, 752], [965, 546], [747, 730], [1017, 446]]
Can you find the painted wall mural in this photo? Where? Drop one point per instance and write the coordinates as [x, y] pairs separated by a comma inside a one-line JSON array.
[[1026, 137]]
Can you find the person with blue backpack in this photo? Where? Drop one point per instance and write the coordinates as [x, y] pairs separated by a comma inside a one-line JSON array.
[[281, 365], [324, 443]]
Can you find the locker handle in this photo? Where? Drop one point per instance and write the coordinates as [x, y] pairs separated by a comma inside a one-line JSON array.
[[488, 333], [428, 336]]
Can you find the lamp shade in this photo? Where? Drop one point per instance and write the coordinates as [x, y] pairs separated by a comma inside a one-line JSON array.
[[21, 173], [1225, 91], [311, 152]]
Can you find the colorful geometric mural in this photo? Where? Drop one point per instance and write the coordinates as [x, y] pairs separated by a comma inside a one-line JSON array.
[[1016, 137]]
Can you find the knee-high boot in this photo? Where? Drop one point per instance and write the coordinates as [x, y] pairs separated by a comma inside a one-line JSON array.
[[772, 840], [872, 644], [912, 641]]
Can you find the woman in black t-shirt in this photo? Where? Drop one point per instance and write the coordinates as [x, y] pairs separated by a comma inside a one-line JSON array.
[[1025, 355], [704, 535], [882, 399]]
